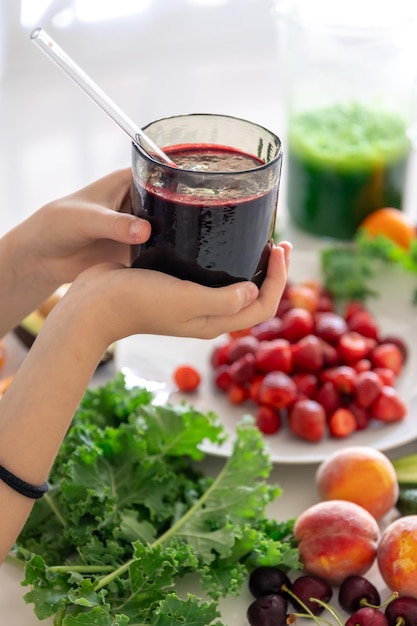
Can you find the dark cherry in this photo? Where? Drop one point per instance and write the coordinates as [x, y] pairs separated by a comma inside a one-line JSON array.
[[268, 611], [367, 616], [355, 592], [306, 587], [266, 580], [402, 612]]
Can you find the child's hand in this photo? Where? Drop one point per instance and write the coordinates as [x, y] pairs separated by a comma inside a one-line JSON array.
[[124, 301], [90, 226]]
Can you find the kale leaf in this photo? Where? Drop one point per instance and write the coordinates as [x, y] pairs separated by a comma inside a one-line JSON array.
[[130, 513]]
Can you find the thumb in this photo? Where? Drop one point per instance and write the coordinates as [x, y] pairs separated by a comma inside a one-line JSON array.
[[121, 227]]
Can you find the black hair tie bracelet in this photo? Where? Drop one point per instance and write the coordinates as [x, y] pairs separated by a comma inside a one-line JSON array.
[[21, 486]]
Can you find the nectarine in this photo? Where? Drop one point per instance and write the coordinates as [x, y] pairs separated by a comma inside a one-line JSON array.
[[336, 539], [362, 475], [397, 555]]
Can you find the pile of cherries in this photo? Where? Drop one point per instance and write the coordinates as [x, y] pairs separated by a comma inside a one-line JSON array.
[[278, 601], [319, 371]]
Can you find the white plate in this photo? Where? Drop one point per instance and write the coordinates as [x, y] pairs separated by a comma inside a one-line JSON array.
[[153, 359]]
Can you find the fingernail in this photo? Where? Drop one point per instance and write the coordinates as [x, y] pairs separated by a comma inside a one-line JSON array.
[[287, 248], [136, 228], [287, 244]]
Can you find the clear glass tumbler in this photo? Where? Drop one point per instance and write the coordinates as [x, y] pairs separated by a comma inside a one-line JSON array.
[[212, 216]]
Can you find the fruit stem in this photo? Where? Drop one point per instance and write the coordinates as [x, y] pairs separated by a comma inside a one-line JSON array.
[[331, 610], [390, 598], [308, 612], [319, 621]]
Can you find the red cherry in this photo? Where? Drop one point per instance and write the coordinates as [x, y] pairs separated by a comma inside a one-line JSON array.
[[274, 355], [388, 407], [364, 323], [341, 423], [367, 616], [278, 390], [330, 326], [308, 354], [268, 420], [368, 386], [307, 420], [296, 323]]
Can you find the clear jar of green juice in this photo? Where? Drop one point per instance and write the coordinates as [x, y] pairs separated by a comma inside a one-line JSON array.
[[349, 87], [344, 161]]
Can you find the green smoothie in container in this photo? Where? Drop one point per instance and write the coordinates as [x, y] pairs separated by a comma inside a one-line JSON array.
[[344, 161]]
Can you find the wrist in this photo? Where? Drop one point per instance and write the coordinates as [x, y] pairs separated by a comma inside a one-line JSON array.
[[78, 316], [24, 283]]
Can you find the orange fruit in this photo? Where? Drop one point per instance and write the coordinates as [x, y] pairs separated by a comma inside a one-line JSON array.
[[391, 223]]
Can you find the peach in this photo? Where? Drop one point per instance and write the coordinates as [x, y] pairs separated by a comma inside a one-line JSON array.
[[397, 556], [362, 475], [336, 539]]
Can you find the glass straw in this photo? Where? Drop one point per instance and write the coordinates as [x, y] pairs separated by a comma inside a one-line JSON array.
[[55, 52]]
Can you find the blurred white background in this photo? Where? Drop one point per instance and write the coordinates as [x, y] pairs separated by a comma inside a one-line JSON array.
[[153, 57]]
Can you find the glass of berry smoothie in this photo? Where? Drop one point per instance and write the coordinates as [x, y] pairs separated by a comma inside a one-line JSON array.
[[213, 215]]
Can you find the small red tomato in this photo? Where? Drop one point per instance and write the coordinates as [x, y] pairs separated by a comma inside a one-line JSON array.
[[243, 370], [330, 326], [368, 386], [400, 343], [220, 355], [386, 375], [388, 407], [308, 354], [361, 415], [186, 378], [237, 394], [307, 420], [352, 307], [341, 423], [329, 398], [387, 355], [296, 324], [274, 355], [343, 378], [240, 346], [306, 384], [277, 390], [352, 347], [363, 322], [268, 420], [254, 388], [223, 379], [303, 297], [266, 331]]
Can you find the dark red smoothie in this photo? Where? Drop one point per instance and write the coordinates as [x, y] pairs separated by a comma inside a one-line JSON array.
[[197, 214]]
